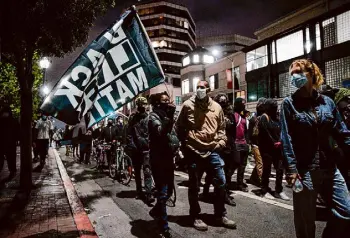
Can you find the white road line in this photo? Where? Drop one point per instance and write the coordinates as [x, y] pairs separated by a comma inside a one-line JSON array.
[[248, 195]]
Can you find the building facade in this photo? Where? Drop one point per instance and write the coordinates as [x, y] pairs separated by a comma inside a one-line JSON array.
[[225, 45]]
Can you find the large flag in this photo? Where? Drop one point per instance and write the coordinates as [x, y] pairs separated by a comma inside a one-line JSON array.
[[110, 72]]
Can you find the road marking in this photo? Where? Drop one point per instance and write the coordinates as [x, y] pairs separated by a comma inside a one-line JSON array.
[[248, 195]]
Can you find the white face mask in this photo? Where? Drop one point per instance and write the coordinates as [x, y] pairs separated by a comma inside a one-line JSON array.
[[201, 93]]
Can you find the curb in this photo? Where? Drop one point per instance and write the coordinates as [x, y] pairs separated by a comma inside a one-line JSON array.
[[81, 219]]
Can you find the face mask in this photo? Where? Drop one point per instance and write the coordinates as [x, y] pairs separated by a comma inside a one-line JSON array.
[[141, 109], [110, 123], [44, 118], [163, 106], [201, 93], [298, 80]]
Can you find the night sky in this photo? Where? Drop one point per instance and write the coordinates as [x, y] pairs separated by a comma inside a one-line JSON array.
[[212, 17]]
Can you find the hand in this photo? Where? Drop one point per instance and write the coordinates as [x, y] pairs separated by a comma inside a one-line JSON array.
[[291, 178], [171, 109]]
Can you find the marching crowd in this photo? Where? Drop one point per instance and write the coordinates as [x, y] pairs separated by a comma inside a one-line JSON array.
[[307, 141]]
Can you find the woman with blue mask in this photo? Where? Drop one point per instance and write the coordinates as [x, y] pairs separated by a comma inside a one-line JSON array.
[[309, 121]]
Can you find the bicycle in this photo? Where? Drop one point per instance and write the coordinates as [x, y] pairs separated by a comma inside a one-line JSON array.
[[101, 154], [120, 168]]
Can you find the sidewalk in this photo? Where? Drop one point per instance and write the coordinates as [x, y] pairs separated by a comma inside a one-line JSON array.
[[46, 213]]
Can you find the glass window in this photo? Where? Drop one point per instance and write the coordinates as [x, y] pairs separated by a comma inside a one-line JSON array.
[[186, 25], [343, 27], [212, 82], [155, 44], [285, 86], [163, 43], [208, 59], [329, 30], [307, 41], [240, 94], [257, 58], [318, 37], [338, 72], [196, 59], [273, 52], [236, 77], [185, 86], [194, 83], [178, 100], [290, 46], [186, 61]]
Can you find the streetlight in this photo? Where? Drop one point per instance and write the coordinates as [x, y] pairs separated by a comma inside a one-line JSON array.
[[215, 52], [44, 63], [46, 90]]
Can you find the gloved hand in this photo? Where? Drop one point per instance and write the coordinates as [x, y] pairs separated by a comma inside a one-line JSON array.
[[278, 145], [171, 110]]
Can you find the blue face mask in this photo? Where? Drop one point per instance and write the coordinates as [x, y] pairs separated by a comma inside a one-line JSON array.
[[298, 80], [44, 118]]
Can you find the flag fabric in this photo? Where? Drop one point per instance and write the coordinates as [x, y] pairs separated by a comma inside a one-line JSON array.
[[110, 72]]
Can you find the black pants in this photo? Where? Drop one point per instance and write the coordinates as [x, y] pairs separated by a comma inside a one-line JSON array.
[[272, 157], [85, 152], [35, 150], [42, 145], [141, 162], [240, 157], [9, 151], [229, 167], [213, 166]]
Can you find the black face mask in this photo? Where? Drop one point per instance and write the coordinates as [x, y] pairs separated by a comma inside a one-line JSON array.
[[164, 106], [141, 109], [110, 123]]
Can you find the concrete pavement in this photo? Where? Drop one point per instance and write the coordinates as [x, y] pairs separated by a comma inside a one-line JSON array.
[[114, 211]]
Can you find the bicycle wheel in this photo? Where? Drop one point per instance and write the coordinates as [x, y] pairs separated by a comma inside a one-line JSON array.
[[171, 202], [112, 166], [125, 169]]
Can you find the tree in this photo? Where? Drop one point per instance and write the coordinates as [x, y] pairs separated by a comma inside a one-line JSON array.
[[9, 87], [48, 28]]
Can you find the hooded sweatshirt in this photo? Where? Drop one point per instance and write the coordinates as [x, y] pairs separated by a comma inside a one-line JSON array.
[[201, 126]]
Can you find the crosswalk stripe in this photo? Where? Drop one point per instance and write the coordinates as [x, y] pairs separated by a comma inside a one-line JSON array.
[[248, 195]]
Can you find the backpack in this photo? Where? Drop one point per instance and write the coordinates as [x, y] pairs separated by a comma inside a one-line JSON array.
[[256, 126]]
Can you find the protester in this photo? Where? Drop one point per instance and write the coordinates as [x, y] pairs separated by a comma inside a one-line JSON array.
[[75, 140], [9, 128], [308, 122], [57, 138], [85, 146], [67, 135], [138, 148], [109, 135], [163, 144], [270, 147], [34, 142], [241, 151], [228, 152], [201, 130], [43, 126], [256, 175]]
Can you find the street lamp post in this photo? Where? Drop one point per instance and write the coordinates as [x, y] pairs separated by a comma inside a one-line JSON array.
[[44, 63]]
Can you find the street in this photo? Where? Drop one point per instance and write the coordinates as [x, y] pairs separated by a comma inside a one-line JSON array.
[[114, 211]]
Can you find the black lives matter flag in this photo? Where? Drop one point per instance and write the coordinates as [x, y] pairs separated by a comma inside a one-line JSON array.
[[110, 72]]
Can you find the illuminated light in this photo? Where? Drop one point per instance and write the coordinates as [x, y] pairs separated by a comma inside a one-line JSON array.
[[196, 59], [44, 63], [186, 61], [195, 82], [208, 59], [308, 46], [252, 97], [215, 52], [163, 43], [46, 90], [155, 44]]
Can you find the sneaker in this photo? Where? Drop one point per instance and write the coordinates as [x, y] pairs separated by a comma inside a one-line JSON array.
[[165, 234], [229, 201], [225, 222], [199, 225], [267, 196], [282, 195]]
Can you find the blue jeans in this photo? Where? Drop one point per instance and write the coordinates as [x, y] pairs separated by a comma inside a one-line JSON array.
[[214, 167], [331, 186]]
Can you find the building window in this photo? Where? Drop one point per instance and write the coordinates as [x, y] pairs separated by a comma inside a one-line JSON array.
[[336, 29], [177, 101], [257, 87], [318, 36], [176, 82], [194, 83], [212, 82], [163, 43], [307, 41], [256, 58], [236, 77], [290, 46], [185, 86], [186, 25], [186, 61], [208, 59], [240, 94], [343, 27], [329, 30], [338, 72], [273, 52], [196, 59], [285, 85]]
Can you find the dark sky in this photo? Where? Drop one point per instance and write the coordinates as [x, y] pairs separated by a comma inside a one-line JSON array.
[[212, 17], [228, 16]]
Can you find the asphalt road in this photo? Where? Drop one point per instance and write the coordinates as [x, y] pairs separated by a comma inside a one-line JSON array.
[[115, 212]]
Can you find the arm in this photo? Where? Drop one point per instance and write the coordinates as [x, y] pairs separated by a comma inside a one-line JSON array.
[[180, 124], [222, 139], [340, 131], [129, 135], [158, 128], [288, 151]]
